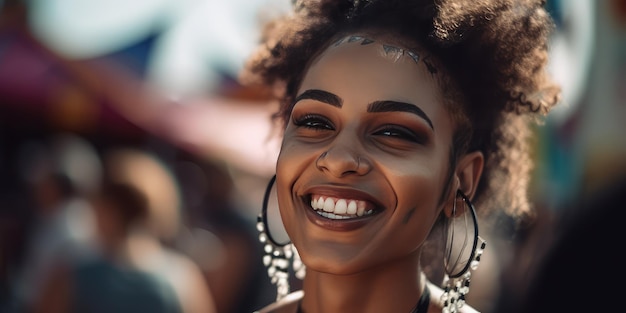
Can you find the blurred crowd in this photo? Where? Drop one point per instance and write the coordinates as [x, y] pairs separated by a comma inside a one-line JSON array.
[[112, 199], [132, 163], [122, 229]]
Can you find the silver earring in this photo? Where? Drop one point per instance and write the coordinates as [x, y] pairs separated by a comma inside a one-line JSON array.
[[277, 255], [462, 255]]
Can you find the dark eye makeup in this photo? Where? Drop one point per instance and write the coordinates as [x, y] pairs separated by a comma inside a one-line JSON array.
[[318, 122], [402, 133], [313, 121]]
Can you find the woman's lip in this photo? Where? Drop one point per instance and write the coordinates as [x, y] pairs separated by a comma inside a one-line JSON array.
[[342, 193], [337, 225]]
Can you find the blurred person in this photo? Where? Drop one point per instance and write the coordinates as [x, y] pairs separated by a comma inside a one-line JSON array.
[[115, 282], [221, 237], [62, 172], [397, 117], [132, 270], [579, 255]]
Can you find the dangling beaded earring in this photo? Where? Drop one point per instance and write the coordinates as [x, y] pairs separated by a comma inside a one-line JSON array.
[[457, 267], [277, 255]]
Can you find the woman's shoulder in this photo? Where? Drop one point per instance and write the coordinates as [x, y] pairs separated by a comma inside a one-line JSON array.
[[288, 304]]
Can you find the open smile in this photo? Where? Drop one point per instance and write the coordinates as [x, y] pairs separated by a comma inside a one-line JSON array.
[[340, 213], [339, 208]]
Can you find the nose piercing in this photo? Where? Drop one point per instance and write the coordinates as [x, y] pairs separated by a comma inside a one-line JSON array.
[[323, 155]]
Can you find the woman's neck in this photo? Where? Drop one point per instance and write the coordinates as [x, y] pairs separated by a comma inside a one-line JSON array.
[[393, 287]]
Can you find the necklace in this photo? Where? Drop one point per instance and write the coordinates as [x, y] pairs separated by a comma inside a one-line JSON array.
[[420, 307]]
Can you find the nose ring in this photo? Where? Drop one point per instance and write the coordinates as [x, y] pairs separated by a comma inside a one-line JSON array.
[[323, 155]]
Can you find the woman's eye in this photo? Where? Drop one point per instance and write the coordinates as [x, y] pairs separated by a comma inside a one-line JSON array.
[[401, 133], [314, 122]]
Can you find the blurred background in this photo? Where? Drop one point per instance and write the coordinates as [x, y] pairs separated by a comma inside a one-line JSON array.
[[96, 92]]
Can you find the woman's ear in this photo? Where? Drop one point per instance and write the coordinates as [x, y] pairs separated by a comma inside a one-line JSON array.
[[466, 177], [469, 170]]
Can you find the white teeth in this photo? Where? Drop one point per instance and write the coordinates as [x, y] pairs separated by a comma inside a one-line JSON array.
[[333, 216], [320, 203], [341, 207], [329, 205], [351, 207]]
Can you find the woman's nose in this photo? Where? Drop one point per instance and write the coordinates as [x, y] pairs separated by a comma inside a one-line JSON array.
[[341, 160]]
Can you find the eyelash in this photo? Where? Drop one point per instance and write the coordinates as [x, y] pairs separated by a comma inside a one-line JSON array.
[[320, 123], [313, 121], [401, 133]]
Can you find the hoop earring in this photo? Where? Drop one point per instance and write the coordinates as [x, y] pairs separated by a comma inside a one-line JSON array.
[[277, 255], [457, 266]]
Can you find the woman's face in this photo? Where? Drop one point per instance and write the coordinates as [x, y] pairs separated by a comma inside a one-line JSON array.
[[369, 136]]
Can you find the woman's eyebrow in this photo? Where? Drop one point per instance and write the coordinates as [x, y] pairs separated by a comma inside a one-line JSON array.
[[322, 96], [396, 106]]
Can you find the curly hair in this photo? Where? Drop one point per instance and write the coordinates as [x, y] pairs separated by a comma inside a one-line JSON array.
[[490, 60]]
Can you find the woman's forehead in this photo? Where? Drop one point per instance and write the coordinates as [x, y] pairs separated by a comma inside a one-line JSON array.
[[387, 46], [387, 67]]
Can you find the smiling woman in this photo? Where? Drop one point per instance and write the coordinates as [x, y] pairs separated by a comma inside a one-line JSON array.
[[398, 115]]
